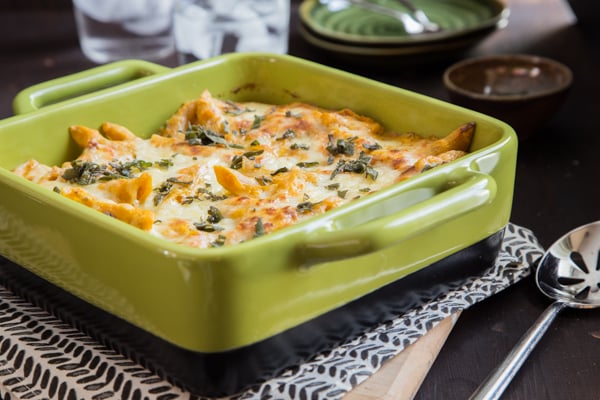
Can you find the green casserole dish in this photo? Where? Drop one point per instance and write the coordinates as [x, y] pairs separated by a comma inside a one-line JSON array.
[[222, 299]]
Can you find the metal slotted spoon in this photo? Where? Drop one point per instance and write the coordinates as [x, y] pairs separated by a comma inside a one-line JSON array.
[[568, 273]]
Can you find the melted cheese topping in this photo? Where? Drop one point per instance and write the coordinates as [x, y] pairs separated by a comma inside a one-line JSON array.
[[220, 172]]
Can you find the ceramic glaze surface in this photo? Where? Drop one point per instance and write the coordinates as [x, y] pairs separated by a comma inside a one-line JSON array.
[[455, 17]]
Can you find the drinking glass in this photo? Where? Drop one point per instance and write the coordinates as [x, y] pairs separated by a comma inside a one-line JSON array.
[[112, 30], [206, 28]]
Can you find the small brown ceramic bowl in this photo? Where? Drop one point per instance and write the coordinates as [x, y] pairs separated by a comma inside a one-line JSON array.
[[521, 90]]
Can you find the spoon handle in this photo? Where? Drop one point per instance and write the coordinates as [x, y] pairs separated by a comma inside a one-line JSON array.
[[420, 16], [495, 384]]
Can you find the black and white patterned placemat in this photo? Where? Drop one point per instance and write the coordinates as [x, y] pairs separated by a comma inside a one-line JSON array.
[[44, 358]]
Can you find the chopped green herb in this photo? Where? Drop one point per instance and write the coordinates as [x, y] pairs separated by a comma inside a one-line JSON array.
[[333, 186], [56, 189], [264, 180], [259, 228], [83, 172], [308, 164], [371, 173], [214, 215], [280, 170], [362, 157], [288, 134], [299, 146], [251, 155], [165, 188], [234, 108], [365, 190], [87, 173], [175, 179], [208, 195], [219, 242], [127, 169], [187, 200], [162, 191], [356, 166], [200, 135], [371, 146], [258, 119], [341, 146], [305, 207], [237, 162], [255, 143], [164, 163], [207, 227], [342, 194]]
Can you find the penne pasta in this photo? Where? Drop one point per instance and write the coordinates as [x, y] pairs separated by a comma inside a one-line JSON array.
[[220, 172]]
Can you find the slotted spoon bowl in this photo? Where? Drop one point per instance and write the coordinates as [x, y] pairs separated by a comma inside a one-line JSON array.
[[568, 273]]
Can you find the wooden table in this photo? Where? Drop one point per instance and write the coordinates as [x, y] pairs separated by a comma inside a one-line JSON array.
[[556, 187]]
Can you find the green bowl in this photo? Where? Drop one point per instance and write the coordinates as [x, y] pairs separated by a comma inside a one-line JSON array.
[[355, 25], [219, 299]]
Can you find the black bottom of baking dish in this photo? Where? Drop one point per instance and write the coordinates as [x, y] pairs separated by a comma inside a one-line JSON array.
[[228, 373]]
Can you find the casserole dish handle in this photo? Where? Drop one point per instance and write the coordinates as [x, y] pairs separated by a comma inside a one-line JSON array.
[[465, 194], [78, 84]]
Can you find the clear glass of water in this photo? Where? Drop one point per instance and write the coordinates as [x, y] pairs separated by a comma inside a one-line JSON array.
[[112, 30], [207, 28]]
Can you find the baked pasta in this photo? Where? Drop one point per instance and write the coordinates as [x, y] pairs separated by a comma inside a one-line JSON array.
[[220, 172]]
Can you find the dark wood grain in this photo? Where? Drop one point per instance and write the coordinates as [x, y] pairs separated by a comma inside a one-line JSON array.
[[556, 188]]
